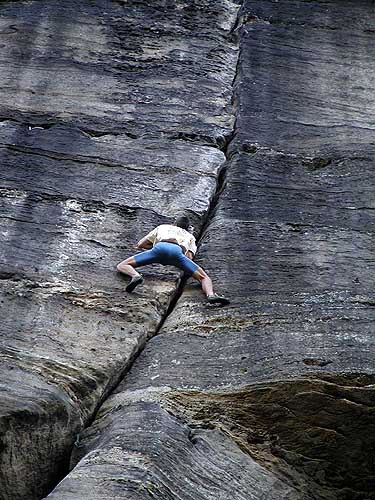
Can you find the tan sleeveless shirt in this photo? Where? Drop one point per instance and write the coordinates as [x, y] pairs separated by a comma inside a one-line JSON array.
[[170, 232]]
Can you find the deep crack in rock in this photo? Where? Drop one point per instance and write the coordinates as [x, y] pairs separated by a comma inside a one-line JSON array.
[[254, 401]]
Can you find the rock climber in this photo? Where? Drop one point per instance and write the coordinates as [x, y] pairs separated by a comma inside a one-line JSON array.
[[170, 244]]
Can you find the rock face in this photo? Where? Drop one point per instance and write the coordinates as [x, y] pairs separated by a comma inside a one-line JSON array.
[[112, 119], [117, 127]]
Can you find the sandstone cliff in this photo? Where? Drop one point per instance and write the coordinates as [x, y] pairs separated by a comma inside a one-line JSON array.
[[257, 121]]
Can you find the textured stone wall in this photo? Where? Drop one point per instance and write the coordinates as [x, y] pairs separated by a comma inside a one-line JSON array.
[[259, 122], [112, 116]]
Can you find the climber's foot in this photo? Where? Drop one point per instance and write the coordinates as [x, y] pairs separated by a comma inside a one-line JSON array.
[[137, 280], [217, 299]]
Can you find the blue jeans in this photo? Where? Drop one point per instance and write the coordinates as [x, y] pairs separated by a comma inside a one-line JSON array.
[[167, 254]]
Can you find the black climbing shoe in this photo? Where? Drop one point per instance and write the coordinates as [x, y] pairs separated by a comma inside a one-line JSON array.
[[217, 299], [137, 280]]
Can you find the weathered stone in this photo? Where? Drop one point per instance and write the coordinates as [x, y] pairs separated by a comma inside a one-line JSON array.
[[110, 121], [151, 454], [323, 429], [286, 372], [304, 88], [111, 171], [142, 69], [318, 15]]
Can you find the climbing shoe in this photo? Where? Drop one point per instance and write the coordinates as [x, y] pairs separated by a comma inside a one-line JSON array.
[[137, 280], [217, 299]]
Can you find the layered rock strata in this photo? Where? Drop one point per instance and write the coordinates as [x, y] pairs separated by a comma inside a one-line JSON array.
[[272, 397], [112, 119]]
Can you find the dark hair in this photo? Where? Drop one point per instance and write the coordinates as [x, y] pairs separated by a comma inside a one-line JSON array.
[[183, 221]]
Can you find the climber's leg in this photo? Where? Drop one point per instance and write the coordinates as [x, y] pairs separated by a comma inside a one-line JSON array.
[[141, 259], [205, 281], [128, 267], [207, 287]]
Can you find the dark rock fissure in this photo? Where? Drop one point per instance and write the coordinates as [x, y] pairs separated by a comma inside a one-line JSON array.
[[221, 180], [315, 431], [315, 434], [174, 300], [221, 143], [69, 327]]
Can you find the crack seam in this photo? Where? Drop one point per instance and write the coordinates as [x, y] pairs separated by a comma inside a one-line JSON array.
[[220, 186]]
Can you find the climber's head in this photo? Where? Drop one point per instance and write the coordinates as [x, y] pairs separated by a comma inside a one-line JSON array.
[[182, 221]]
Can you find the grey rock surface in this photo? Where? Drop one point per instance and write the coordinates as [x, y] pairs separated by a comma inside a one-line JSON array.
[[286, 372], [120, 66], [320, 14], [304, 84], [158, 456], [111, 119]]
